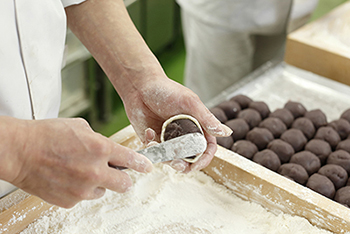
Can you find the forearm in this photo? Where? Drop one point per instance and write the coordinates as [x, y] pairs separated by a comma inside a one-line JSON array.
[[106, 29]]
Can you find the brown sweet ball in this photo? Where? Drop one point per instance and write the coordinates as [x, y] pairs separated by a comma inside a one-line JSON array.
[[308, 160], [348, 183], [317, 117], [283, 149], [219, 114], [225, 142], [274, 125], [296, 108], [321, 184], [328, 134], [295, 172], [305, 125], [242, 100], [346, 115], [341, 158], [295, 138], [245, 148], [342, 127], [320, 148], [231, 108], [251, 116], [260, 137], [267, 158], [344, 145], [239, 127], [283, 114], [261, 107], [343, 196], [336, 174]]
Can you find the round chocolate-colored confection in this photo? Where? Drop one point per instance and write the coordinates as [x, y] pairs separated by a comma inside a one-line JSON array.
[[341, 126], [239, 127], [283, 114], [251, 116], [242, 100], [317, 117], [308, 160], [328, 134], [295, 138], [274, 125], [348, 183], [336, 174], [295, 172], [346, 115], [261, 107], [260, 137], [267, 158], [245, 148], [180, 127], [225, 142], [321, 184], [341, 158], [344, 145], [283, 149], [305, 125], [343, 196], [219, 114], [296, 108], [231, 108], [320, 148]]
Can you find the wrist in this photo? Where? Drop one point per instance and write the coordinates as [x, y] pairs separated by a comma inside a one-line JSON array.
[[12, 133]]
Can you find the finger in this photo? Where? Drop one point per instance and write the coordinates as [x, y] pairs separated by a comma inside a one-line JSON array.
[[116, 180], [208, 154], [125, 157], [96, 193], [178, 165], [208, 121], [150, 135]]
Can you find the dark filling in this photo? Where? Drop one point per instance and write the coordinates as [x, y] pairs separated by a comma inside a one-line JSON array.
[[180, 127]]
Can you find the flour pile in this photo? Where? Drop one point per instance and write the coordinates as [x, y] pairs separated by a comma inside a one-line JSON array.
[[165, 201]]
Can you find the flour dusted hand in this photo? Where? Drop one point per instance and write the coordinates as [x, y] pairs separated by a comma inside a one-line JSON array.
[[63, 161], [161, 98]]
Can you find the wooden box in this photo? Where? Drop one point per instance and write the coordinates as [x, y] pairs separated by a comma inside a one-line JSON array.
[[247, 179], [323, 46]]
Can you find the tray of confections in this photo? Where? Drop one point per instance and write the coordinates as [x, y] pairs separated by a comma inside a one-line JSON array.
[[294, 123]]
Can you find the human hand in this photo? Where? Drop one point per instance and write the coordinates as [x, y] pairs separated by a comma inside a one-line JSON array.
[[63, 161], [159, 99]]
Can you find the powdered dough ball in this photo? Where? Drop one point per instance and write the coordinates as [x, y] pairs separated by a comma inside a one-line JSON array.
[[295, 172], [343, 196], [283, 114], [317, 117], [180, 125], [336, 174], [321, 184]]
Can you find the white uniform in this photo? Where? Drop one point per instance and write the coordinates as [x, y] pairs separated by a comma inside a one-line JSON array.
[[31, 52], [226, 39]]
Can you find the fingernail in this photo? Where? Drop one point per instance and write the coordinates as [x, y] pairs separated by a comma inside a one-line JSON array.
[[221, 130], [149, 168], [178, 166]]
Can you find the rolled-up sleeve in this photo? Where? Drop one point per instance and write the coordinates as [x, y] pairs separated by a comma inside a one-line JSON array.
[[67, 3]]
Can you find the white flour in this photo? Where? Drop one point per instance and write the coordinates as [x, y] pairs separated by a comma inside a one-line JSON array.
[[165, 201]]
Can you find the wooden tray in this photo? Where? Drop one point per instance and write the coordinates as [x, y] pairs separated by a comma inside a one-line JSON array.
[[323, 46], [247, 179]]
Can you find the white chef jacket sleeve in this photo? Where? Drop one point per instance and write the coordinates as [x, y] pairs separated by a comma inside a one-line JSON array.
[[67, 3]]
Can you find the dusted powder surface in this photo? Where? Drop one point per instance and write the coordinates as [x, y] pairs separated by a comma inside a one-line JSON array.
[[165, 201]]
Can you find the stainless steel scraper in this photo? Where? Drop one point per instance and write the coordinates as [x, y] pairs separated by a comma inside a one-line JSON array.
[[180, 147]]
